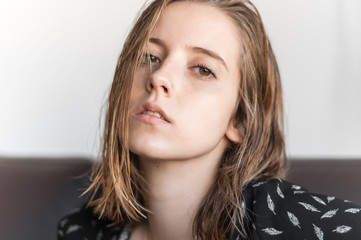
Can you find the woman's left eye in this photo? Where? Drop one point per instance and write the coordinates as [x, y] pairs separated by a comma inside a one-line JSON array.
[[204, 71]]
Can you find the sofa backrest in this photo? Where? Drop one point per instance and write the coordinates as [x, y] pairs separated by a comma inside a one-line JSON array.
[[37, 192], [337, 177]]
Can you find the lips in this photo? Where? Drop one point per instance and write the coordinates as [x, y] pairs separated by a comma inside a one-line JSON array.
[[153, 114], [150, 111]]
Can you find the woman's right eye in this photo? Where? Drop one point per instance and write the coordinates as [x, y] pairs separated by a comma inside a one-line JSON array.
[[150, 58]]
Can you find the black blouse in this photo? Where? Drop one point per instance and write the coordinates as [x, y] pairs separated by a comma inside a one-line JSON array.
[[275, 209]]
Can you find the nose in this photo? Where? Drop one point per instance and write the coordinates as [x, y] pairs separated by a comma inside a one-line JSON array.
[[160, 81]]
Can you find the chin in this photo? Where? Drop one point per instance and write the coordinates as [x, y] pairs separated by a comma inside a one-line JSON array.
[[149, 151]]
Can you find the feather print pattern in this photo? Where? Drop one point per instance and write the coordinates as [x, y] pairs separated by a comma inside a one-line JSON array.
[[298, 192], [353, 210], [293, 219], [258, 184], [317, 199], [329, 214], [271, 209], [309, 207], [342, 229], [318, 232], [270, 204], [312, 214], [271, 231], [279, 192]]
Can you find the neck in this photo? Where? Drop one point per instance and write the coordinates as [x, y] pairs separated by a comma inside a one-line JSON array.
[[176, 190]]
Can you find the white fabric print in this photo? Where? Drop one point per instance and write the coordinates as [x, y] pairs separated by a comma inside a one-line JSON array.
[[271, 209]]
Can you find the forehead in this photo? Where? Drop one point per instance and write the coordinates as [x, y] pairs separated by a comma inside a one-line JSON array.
[[198, 24]]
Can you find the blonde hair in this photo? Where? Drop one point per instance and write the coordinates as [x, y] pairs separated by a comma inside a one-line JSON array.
[[117, 185]]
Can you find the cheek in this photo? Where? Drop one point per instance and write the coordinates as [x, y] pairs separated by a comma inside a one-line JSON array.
[[209, 118], [138, 92]]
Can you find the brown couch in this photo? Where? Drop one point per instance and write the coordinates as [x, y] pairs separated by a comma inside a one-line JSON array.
[[36, 192]]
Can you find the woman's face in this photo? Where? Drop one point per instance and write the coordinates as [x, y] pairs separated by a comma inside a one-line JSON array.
[[184, 94]]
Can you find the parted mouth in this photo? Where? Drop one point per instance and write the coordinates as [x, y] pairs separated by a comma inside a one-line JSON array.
[[153, 110], [157, 114]]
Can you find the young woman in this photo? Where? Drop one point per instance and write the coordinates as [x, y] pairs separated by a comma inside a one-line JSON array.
[[193, 143]]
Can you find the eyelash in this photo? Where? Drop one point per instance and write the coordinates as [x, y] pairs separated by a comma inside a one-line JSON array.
[[146, 60], [205, 67]]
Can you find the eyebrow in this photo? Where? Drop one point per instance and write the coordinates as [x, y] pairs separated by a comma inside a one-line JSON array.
[[210, 53], [201, 50], [157, 41]]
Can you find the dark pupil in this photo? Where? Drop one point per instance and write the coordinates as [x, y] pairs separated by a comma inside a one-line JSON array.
[[204, 71], [152, 58]]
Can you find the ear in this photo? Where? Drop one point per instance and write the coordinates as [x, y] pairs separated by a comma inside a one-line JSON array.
[[232, 133]]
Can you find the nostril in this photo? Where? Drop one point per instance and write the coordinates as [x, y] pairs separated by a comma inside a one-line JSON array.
[[165, 89]]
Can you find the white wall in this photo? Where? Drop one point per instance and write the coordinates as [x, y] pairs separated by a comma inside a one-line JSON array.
[[57, 60], [318, 45]]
